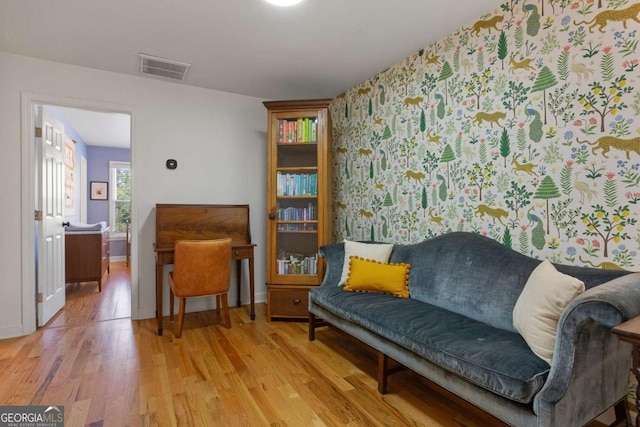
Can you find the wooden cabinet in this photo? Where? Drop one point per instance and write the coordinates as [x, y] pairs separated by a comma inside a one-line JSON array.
[[86, 256], [298, 202]]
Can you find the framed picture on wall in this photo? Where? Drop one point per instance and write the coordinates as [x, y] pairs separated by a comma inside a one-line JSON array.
[[99, 190]]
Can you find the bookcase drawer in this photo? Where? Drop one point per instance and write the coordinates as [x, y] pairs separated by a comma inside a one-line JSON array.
[[287, 302]]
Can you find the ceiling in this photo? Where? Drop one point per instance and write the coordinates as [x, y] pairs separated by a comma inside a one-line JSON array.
[[98, 128], [317, 49]]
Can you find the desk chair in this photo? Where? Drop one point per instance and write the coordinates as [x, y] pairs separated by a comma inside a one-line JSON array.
[[200, 268]]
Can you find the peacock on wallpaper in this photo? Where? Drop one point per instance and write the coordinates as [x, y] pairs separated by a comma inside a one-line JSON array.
[[524, 127]]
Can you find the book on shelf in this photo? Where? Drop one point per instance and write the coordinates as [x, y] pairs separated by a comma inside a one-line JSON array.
[[296, 184], [298, 130], [290, 213], [297, 264]]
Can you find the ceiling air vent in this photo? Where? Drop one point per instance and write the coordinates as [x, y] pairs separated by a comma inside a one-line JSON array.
[[163, 67]]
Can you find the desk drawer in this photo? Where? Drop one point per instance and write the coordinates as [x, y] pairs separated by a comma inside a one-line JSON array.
[[241, 253], [287, 302]]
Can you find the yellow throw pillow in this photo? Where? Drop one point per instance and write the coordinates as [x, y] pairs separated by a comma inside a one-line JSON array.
[[366, 275]]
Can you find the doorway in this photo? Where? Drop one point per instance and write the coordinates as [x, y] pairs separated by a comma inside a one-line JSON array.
[[29, 174]]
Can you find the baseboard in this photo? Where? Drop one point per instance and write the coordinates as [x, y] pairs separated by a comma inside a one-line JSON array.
[[195, 304], [11, 331]]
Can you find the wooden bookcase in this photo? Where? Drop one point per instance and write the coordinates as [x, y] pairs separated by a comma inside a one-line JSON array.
[[298, 202]]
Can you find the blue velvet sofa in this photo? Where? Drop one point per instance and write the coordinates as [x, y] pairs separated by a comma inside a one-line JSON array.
[[456, 329]]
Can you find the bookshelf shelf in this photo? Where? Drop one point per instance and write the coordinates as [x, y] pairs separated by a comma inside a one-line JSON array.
[[298, 140]]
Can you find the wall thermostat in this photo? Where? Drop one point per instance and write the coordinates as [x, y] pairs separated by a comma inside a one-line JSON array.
[[172, 164]]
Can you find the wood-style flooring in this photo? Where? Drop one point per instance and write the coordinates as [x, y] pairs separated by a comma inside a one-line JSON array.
[[107, 370]]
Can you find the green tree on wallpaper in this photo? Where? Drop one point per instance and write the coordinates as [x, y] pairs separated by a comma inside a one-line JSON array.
[[406, 75], [515, 96], [564, 217], [424, 201], [480, 177], [502, 47], [428, 84], [517, 197], [388, 201], [547, 190], [506, 238], [608, 226], [445, 73], [478, 85], [430, 162], [386, 134], [409, 221], [423, 123], [544, 81], [505, 145], [603, 102], [447, 156], [560, 102]]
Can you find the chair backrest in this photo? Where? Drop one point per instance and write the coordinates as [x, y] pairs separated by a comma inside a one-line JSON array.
[[201, 267]]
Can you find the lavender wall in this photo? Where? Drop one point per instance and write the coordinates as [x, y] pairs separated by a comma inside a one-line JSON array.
[[98, 159], [80, 150]]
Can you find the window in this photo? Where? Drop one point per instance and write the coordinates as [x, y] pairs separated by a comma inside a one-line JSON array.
[[120, 200]]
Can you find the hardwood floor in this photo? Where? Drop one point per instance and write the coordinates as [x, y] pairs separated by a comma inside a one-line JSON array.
[[108, 370]]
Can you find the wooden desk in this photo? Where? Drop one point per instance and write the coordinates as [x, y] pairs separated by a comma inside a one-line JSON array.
[[203, 222], [629, 331]]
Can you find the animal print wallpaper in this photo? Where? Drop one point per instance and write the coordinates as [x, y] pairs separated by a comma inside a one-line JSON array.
[[523, 126]]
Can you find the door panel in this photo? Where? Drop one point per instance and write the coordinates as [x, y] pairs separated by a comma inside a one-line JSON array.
[[50, 280]]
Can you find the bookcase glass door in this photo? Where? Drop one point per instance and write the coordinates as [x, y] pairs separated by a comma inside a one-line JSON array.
[[296, 210]]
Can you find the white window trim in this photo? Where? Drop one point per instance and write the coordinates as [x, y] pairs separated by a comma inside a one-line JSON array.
[[113, 165]]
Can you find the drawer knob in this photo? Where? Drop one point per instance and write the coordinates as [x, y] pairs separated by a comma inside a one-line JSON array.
[[235, 252], [297, 301]]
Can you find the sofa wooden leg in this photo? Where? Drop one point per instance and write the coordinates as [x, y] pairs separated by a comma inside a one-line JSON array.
[[312, 327], [620, 410], [314, 322], [383, 365]]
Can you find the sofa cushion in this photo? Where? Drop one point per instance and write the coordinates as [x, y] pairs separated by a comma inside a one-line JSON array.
[[495, 359], [537, 311], [374, 251], [374, 276]]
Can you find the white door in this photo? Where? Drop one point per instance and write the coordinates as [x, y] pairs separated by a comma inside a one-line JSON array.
[[50, 149]]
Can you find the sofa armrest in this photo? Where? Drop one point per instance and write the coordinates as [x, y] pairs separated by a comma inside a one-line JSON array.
[[334, 257], [595, 311]]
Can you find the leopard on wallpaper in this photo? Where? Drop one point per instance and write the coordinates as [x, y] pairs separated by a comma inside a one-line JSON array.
[[523, 126]]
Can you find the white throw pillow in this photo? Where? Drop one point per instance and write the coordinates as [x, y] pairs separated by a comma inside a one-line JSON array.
[[537, 311], [373, 251]]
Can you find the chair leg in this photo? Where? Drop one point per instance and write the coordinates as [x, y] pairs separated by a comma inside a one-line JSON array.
[[171, 302], [180, 322], [225, 311], [218, 305]]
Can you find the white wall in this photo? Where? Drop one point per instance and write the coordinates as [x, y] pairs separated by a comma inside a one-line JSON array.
[[219, 140]]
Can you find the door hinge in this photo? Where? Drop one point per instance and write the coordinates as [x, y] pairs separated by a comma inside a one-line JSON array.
[[39, 297], [38, 216], [38, 132]]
